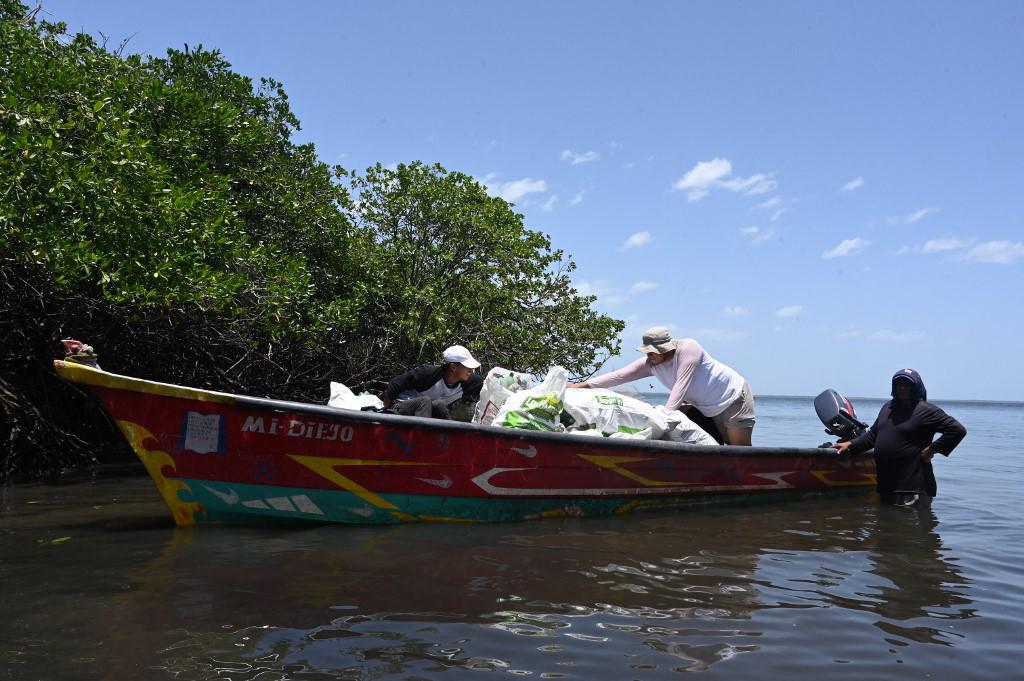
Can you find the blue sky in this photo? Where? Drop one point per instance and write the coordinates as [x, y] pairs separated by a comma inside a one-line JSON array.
[[821, 193]]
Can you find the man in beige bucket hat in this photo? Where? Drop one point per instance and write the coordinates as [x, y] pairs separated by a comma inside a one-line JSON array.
[[694, 379]]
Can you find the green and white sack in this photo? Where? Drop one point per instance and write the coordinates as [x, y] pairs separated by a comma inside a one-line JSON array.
[[538, 408], [498, 385]]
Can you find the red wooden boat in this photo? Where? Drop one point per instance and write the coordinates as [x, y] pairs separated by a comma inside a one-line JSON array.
[[222, 458]]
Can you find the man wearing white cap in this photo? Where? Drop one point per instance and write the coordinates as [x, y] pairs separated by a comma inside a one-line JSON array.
[[694, 378], [430, 390]]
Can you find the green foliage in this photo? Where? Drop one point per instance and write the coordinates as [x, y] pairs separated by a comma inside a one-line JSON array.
[[454, 264], [159, 209], [168, 182]]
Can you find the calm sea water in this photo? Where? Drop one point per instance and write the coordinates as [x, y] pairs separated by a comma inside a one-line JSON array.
[[95, 583]]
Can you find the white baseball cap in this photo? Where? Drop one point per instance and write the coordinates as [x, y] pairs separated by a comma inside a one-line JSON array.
[[460, 355]]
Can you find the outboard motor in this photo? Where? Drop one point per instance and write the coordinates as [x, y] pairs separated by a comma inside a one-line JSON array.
[[838, 415]]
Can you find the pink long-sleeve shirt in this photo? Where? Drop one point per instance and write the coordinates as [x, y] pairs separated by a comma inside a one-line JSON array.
[[692, 376]]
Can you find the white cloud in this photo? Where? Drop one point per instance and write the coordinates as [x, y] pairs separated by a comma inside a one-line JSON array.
[[575, 159], [755, 184], [847, 247], [704, 176], [887, 336], [637, 240], [514, 190], [578, 199], [719, 334], [913, 217], [852, 185], [697, 182], [758, 235], [789, 311], [996, 252], [773, 202], [642, 286], [735, 311], [549, 205], [592, 288], [517, 189], [943, 245], [777, 214]]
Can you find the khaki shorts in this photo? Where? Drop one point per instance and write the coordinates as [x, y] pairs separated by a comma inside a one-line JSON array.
[[739, 414]]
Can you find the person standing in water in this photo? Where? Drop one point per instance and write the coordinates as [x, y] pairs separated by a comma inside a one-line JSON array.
[[902, 437]]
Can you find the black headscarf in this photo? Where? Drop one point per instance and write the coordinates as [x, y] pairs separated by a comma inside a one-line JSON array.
[[917, 394]]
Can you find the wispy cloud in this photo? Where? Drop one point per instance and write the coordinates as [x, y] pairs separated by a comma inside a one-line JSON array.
[[773, 202], [577, 158], [514, 190], [720, 334], [853, 185], [699, 180], [637, 240], [578, 198], [591, 288], [758, 235], [916, 216], [549, 205], [642, 286], [996, 252], [847, 247], [735, 311], [789, 311], [888, 336], [943, 245]]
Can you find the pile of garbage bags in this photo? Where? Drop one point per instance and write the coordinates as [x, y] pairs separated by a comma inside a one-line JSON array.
[[510, 399], [506, 401]]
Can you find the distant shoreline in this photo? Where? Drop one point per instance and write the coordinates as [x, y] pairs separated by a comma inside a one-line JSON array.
[[1009, 403]]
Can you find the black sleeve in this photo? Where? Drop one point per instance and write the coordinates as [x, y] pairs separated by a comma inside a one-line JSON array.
[[952, 432], [866, 440], [471, 387], [420, 378]]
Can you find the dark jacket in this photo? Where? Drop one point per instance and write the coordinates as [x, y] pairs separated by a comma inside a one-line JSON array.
[[901, 431], [422, 377]]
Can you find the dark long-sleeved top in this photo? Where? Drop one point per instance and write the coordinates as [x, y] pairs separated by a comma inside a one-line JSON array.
[[423, 378], [898, 437]]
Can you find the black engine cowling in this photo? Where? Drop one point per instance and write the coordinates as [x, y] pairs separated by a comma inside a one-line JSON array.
[[838, 415]]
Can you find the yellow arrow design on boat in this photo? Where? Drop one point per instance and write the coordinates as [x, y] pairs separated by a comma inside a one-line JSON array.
[[868, 479], [612, 463], [325, 467]]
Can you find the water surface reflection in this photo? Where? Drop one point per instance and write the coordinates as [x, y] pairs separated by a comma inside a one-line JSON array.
[[722, 591]]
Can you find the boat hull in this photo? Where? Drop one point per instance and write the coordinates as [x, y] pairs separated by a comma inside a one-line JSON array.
[[218, 458]]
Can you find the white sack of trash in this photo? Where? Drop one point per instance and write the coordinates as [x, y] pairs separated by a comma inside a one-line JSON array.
[[613, 414], [498, 385], [537, 408], [682, 429], [342, 397]]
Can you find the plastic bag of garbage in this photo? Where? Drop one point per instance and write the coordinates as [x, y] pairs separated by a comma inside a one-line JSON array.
[[342, 397], [682, 429], [538, 408], [498, 385], [613, 414]]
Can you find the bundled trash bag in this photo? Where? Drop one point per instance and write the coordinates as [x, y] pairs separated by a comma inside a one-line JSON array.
[[613, 414], [538, 408], [682, 429], [498, 385], [343, 398]]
